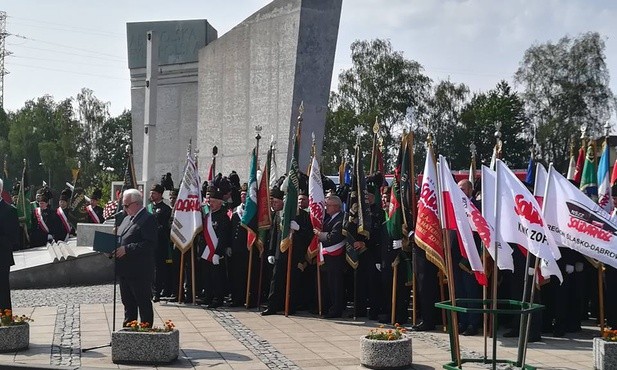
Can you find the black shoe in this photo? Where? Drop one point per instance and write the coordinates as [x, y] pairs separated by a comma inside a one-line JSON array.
[[511, 334], [534, 339], [156, 298], [332, 315], [173, 299], [423, 327], [268, 312], [215, 304], [470, 331]]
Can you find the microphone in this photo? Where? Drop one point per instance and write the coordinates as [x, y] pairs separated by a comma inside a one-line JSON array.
[[117, 214]]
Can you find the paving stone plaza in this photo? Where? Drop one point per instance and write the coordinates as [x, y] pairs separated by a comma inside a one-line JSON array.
[[67, 320]]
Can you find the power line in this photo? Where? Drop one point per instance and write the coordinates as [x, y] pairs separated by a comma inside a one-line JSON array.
[[69, 53], [63, 61], [72, 72], [65, 27], [65, 46]]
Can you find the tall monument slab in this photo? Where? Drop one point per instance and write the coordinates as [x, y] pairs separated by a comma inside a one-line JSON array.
[[176, 103], [258, 74]]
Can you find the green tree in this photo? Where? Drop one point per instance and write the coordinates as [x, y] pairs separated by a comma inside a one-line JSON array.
[[565, 85], [443, 120], [92, 114], [115, 135], [478, 117], [382, 84]]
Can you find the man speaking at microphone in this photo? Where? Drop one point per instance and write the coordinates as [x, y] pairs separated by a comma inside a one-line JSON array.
[[137, 235]]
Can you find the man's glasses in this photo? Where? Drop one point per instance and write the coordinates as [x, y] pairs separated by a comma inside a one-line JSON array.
[[128, 205]]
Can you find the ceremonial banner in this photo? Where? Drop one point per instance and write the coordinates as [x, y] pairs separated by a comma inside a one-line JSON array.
[[264, 218], [614, 173], [407, 184], [522, 222], [24, 207], [589, 177], [357, 221], [572, 167], [504, 257], [290, 186], [604, 184], [130, 182], [531, 171], [187, 219], [457, 209], [212, 241], [428, 231], [539, 186], [317, 205], [578, 223], [249, 217], [580, 163]]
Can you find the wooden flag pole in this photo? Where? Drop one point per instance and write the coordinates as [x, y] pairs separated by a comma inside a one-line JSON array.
[[247, 302], [180, 278], [601, 297], [193, 277], [394, 283], [318, 285], [288, 283]]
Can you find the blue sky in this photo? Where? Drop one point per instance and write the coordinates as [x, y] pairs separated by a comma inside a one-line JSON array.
[[60, 46]]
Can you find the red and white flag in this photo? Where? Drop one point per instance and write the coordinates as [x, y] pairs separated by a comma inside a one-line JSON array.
[[457, 211], [428, 229], [521, 220], [504, 256], [578, 222], [187, 218], [317, 205]]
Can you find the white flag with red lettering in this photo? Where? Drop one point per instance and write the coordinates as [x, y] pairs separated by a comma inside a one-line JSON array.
[[457, 206], [187, 220], [521, 221], [504, 257], [578, 222]]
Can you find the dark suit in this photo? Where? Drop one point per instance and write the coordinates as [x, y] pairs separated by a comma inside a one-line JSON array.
[[40, 237], [9, 240], [334, 264], [162, 282], [138, 235], [278, 284]]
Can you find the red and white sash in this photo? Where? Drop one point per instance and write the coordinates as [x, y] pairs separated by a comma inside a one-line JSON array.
[[212, 240], [92, 214], [333, 250], [39, 218], [65, 221]]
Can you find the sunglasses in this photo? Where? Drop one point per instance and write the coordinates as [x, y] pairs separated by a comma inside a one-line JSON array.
[[128, 205]]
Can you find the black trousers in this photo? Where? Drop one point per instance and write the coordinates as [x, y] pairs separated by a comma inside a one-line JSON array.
[[428, 288], [278, 285], [335, 279], [368, 286], [5, 289], [135, 294]]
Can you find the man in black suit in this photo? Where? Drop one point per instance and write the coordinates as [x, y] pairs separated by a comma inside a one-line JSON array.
[[135, 258], [333, 249], [162, 256], [9, 240]]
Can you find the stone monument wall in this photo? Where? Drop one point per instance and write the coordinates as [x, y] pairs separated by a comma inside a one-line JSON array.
[[179, 44], [257, 74]]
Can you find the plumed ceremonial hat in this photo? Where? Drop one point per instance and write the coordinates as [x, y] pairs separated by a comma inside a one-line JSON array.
[[66, 194], [96, 194], [158, 188], [276, 192]]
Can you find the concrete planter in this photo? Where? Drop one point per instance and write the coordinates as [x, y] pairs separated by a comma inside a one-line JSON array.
[[386, 354], [604, 354], [14, 338], [134, 347]]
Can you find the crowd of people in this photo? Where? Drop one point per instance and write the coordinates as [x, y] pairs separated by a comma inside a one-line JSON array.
[[362, 289]]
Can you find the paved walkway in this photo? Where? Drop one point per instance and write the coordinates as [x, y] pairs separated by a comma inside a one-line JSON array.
[[67, 320]]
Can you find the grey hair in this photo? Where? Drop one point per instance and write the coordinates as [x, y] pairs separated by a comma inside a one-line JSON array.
[[336, 200], [133, 195]]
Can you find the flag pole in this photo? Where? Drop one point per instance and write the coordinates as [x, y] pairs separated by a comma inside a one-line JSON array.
[[450, 273], [180, 280], [247, 302], [374, 147], [497, 218]]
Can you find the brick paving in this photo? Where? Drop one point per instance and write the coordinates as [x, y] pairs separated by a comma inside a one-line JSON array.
[[68, 319]]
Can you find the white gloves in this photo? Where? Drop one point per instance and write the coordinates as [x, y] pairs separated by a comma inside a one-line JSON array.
[[271, 260], [578, 267], [216, 259], [378, 266], [530, 271], [228, 252], [397, 244], [294, 225], [323, 236], [569, 269], [50, 237]]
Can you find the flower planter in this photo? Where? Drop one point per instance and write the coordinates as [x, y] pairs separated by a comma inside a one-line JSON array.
[[14, 338], [386, 354], [137, 347], [604, 354]]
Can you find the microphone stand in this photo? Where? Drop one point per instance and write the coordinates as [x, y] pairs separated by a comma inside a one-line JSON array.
[[113, 323]]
